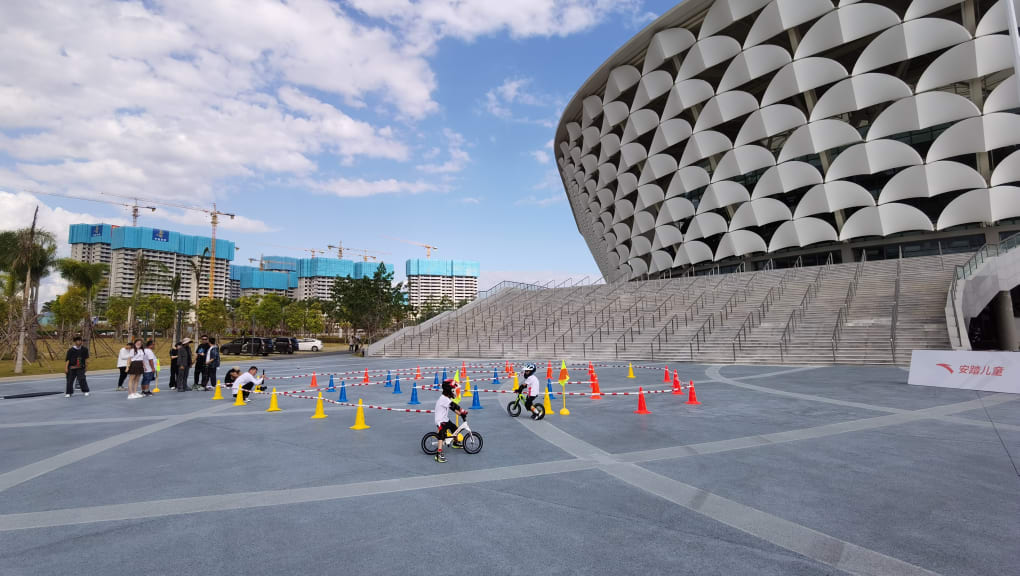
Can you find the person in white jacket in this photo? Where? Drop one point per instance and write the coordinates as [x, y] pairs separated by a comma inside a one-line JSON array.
[[246, 383], [123, 357]]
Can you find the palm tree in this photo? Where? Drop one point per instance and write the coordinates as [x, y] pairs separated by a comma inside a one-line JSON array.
[[175, 289], [89, 277], [27, 253], [143, 266]]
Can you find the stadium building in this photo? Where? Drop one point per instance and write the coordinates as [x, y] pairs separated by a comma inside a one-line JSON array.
[[121, 246], [771, 133], [433, 280]]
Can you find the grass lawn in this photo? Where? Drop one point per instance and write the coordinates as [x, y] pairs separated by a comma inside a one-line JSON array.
[[103, 359]]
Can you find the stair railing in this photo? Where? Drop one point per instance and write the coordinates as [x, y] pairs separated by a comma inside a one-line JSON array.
[[895, 309]]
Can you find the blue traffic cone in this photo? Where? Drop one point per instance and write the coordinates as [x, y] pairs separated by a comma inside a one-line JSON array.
[[343, 392], [435, 383], [548, 387], [476, 403], [495, 377], [389, 379], [396, 385], [414, 394], [444, 375], [331, 387]]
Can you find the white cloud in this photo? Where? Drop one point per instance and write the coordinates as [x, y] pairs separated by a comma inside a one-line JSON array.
[[541, 156], [542, 201], [550, 181], [200, 219], [471, 200], [458, 160], [360, 188]]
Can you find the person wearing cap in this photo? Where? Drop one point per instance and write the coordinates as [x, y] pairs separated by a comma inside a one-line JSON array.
[[184, 361], [444, 421]]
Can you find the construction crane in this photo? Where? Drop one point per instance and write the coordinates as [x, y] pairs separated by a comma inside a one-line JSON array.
[[428, 248], [135, 207], [314, 251], [365, 254], [339, 250], [254, 260]]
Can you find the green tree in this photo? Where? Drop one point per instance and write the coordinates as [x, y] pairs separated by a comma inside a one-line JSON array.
[[88, 277], [144, 269], [26, 256], [435, 307], [70, 307], [212, 314], [117, 312], [246, 306], [269, 312], [162, 311], [304, 316], [371, 303]]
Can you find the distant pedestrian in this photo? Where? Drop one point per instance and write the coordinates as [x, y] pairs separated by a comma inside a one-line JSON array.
[[136, 368], [173, 365], [184, 359], [200, 354], [212, 363], [149, 364], [75, 364], [123, 357]]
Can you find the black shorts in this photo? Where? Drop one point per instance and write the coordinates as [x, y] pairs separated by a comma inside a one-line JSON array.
[[446, 426], [529, 402]]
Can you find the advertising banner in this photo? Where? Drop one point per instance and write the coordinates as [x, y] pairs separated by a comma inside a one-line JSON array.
[[160, 235], [970, 370]]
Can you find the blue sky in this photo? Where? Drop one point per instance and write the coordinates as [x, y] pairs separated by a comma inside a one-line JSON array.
[[317, 121]]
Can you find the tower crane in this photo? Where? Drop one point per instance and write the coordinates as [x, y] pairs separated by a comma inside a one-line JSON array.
[[366, 254], [135, 207], [428, 248], [254, 260], [339, 250]]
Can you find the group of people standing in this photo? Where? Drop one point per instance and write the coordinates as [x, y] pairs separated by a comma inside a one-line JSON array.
[[138, 365]]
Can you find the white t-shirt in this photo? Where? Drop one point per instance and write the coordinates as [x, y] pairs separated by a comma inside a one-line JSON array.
[[443, 409], [123, 357], [137, 355], [245, 378], [534, 386], [149, 356]]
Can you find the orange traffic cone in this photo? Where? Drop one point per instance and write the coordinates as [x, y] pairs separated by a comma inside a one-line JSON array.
[[463, 368], [315, 382], [564, 375], [596, 392], [641, 408], [665, 376], [417, 373], [366, 376], [692, 397], [548, 372], [590, 368], [678, 390]]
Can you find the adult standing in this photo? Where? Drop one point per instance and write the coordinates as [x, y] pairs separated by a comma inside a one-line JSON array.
[[212, 362], [123, 357], [74, 367], [184, 360], [136, 368], [173, 365], [200, 352], [149, 366]]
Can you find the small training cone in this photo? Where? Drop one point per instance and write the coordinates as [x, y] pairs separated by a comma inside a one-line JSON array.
[[630, 371], [366, 376], [444, 375], [155, 389], [273, 405], [359, 419], [435, 381], [548, 372], [239, 399], [315, 382], [665, 376], [641, 408], [389, 379], [495, 377], [564, 411], [547, 402], [331, 387], [417, 373], [396, 386], [476, 401], [218, 394], [320, 413], [414, 394], [343, 392], [564, 375], [677, 388], [692, 396], [467, 388], [596, 392]]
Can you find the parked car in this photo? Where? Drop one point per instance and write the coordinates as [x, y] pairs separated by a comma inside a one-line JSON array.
[[311, 344], [248, 346], [283, 346]]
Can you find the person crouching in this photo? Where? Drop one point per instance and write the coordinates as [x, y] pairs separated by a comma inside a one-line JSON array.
[[246, 382]]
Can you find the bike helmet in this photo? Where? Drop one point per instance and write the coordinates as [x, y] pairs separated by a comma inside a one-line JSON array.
[[448, 386], [529, 369]]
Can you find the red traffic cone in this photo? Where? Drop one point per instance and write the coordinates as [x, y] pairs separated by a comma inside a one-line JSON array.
[[548, 372], [366, 376], [641, 408], [511, 367], [692, 397], [678, 390], [665, 376], [315, 382], [417, 373], [596, 392], [463, 369]]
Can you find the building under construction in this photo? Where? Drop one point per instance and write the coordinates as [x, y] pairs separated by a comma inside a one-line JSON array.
[[298, 278]]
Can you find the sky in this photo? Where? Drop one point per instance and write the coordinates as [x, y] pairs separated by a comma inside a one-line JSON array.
[[314, 121]]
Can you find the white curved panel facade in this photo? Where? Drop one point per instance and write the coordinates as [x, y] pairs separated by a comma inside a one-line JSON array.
[[742, 130]]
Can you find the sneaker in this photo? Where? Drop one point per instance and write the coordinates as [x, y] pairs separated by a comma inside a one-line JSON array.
[[86, 394], [146, 393], [120, 388], [440, 458], [67, 395], [456, 444], [208, 388], [534, 416], [133, 396]]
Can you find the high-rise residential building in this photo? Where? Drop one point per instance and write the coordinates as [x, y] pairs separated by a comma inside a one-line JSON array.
[[433, 280], [299, 278], [122, 246]]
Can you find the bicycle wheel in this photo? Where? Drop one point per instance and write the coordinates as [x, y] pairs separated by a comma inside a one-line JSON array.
[[473, 443], [430, 443], [539, 411], [514, 408]]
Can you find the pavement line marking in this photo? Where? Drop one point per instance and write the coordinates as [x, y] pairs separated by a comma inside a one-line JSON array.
[[246, 500], [786, 534], [36, 469]]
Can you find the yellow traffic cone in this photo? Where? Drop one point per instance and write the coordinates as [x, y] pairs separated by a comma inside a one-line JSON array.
[[547, 403], [218, 395], [515, 381], [320, 413], [359, 419], [564, 411], [273, 406], [467, 388], [239, 399], [630, 371], [155, 388]]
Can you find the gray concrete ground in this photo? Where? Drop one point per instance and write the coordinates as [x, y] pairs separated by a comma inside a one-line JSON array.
[[779, 471]]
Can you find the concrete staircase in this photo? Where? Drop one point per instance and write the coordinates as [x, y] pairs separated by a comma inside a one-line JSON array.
[[841, 313]]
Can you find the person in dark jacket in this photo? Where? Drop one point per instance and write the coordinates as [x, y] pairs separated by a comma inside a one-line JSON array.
[[173, 365], [184, 360], [74, 367], [200, 352], [212, 362]]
